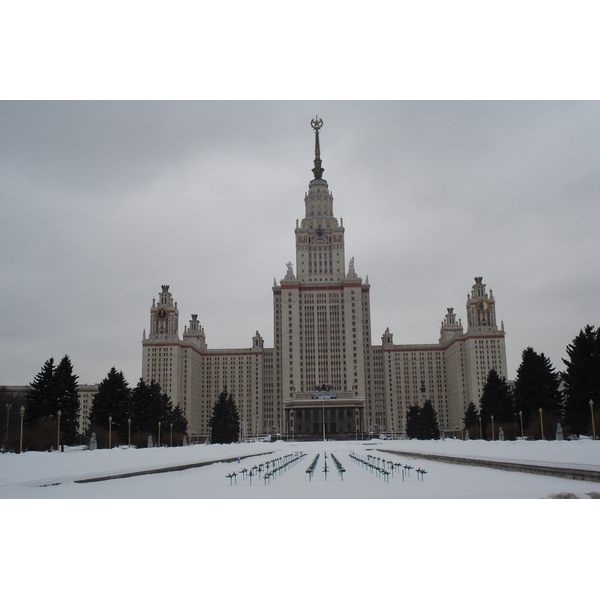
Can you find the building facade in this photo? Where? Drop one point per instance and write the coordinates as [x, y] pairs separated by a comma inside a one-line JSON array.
[[323, 376]]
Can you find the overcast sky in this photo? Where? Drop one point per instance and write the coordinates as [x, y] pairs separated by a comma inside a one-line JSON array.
[[103, 202]]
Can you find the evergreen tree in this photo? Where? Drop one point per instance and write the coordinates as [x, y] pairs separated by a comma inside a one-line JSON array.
[[422, 422], [55, 388], [39, 397], [413, 421], [66, 399], [495, 401], [139, 404], [151, 406], [536, 387], [582, 380], [225, 420], [180, 423], [113, 399], [471, 418], [429, 422]]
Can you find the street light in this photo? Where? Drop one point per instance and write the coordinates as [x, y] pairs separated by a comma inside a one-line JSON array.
[[159, 434], [129, 433], [171, 439], [492, 428], [542, 422], [109, 433], [480, 430], [7, 415], [22, 411], [593, 424], [58, 414], [521, 417]]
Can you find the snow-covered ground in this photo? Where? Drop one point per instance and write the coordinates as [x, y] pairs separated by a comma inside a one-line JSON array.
[[55, 474], [363, 536]]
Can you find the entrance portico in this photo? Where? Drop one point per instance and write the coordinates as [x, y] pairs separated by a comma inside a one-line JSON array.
[[329, 415]]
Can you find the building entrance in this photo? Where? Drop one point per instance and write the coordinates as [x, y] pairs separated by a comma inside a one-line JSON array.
[[324, 416]]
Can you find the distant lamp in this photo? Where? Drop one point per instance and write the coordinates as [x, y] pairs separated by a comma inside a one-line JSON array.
[[593, 423], [58, 414], [521, 417], [22, 411], [8, 406], [542, 422], [109, 433]]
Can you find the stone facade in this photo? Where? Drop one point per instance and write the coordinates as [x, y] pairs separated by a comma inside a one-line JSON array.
[[322, 337]]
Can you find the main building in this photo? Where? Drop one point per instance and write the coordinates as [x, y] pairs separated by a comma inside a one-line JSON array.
[[323, 376]]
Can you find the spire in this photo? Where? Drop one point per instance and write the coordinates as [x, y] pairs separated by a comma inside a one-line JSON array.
[[316, 124]]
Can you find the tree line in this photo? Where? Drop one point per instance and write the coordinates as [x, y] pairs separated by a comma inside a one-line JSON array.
[[540, 400], [542, 397], [134, 413], [52, 409]]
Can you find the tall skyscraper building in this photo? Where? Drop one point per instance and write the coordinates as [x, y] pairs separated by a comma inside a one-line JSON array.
[[323, 376]]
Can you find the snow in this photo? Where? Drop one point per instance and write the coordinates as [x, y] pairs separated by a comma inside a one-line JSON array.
[[55, 474], [366, 534]]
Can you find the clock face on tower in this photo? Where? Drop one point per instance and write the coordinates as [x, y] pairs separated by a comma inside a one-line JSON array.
[[162, 314], [483, 306], [320, 234]]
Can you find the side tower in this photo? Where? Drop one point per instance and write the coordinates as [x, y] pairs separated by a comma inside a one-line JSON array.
[[161, 351], [484, 343]]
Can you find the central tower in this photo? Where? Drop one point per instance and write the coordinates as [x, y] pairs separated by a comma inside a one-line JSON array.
[[319, 237], [321, 311]]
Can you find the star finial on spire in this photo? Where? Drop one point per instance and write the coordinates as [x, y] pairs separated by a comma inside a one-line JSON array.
[[316, 124]]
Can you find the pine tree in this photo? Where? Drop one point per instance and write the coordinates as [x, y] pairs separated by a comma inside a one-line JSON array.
[[471, 418], [413, 421], [536, 387], [225, 420], [112, 400], [495, 401], [180, 423], [151, 406], [422, 422], [582, 380], [429, 422], [39, 397], [66, 399]]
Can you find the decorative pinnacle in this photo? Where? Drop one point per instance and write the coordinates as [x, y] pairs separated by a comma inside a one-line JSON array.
[[316, 124]]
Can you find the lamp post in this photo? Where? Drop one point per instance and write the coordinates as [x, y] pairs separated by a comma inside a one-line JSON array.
[[109, 433], [22, 411], [542, 422], [58, 414], [7, 415], [521, 417], [158, 434], [480, 430], [492, 428], [292, 424], [171, 438], [593, 424], [129, 432]]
